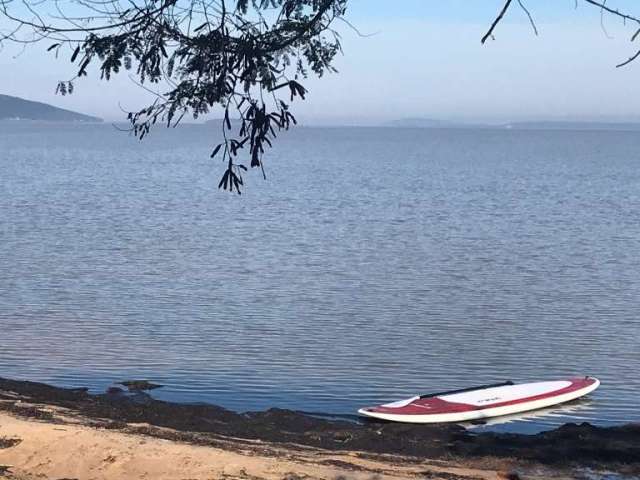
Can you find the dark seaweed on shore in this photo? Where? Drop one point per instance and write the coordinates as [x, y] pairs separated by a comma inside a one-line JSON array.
[[8, 442], [583, 445]]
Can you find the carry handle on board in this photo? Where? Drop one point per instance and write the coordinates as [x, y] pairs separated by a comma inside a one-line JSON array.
[[464, 390]]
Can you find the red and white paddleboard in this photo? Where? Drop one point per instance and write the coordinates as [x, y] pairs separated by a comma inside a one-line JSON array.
[[482, 402]]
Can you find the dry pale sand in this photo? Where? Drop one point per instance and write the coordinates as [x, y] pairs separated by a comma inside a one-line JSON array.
[[72, 450]]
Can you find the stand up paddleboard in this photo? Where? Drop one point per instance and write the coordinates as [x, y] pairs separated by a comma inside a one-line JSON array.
[[482, 402]]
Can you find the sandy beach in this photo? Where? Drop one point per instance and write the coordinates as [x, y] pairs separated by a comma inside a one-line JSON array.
[[55, 451], [60, 439]]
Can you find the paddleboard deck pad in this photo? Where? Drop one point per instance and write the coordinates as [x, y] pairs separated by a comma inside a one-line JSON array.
[[482, 402]]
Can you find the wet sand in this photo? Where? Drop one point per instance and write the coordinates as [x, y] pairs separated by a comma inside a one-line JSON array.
[[53, 433]]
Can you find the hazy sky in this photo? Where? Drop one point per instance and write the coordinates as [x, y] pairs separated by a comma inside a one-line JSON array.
[[425, 60]]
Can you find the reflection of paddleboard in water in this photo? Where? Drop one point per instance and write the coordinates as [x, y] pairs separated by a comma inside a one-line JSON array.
[[554, 415], [482, 402]]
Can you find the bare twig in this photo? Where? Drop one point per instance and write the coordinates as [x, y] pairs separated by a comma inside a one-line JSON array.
[[526, 11], [601, 4], [497, 20], [629, 60]]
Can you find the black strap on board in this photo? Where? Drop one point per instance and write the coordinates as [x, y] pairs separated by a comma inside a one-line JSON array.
[[464, 390]]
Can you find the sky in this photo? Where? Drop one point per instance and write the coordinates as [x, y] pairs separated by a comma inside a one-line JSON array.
[[421, 58]]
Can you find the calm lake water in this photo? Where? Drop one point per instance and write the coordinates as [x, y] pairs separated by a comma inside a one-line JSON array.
[[373, 264]]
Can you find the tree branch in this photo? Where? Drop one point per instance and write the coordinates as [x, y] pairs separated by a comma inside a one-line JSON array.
[[497, 20]]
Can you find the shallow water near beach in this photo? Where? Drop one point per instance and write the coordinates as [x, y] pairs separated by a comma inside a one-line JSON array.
[[372, 264]]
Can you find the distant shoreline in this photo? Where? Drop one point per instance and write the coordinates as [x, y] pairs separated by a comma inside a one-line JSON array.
[[52, 122], [570, 446], [507, 127]]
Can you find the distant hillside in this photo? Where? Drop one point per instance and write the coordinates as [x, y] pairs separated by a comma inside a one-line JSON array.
[[14, 108], [418, 123], [573, 125], [430, 123]]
